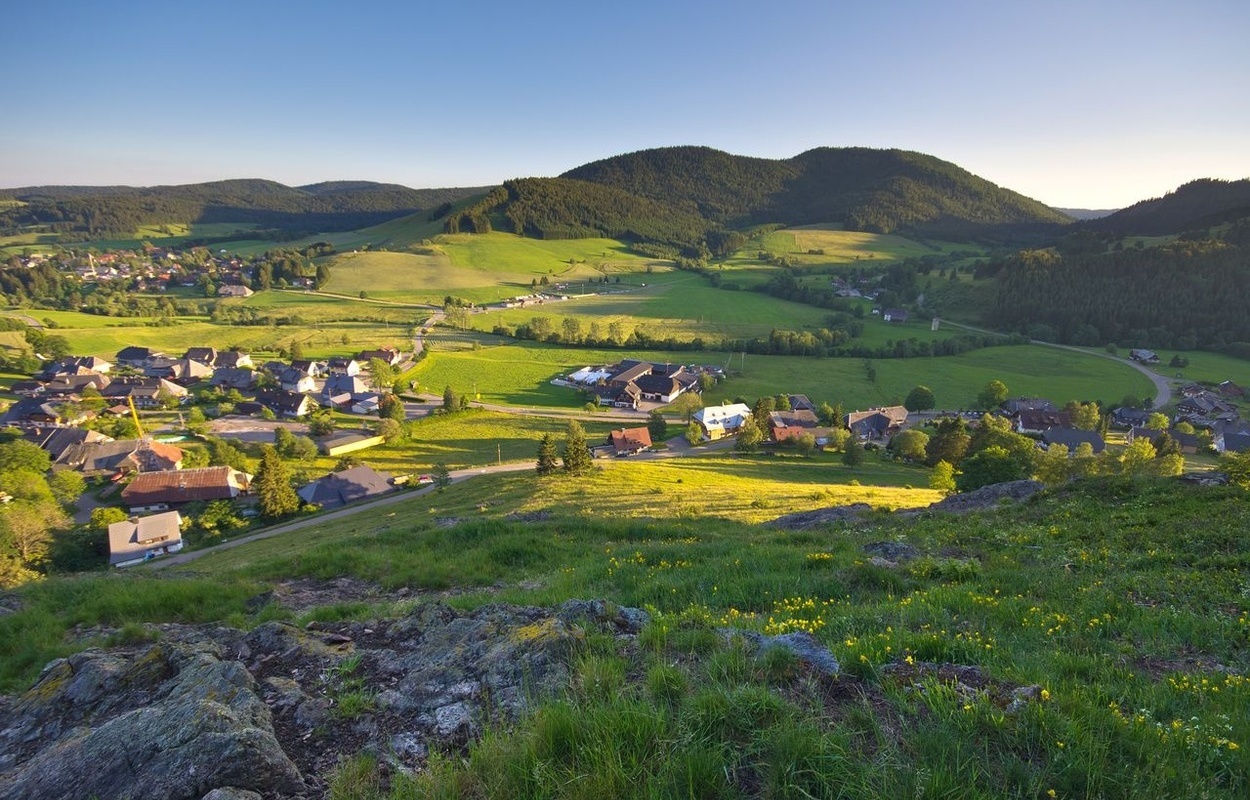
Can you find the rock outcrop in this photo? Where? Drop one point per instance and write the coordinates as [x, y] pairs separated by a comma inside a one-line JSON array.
[[217, 712], [172, 722]]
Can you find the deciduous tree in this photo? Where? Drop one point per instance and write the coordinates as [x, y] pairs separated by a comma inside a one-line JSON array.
[[853, 453], [749, 439], [910, 444], [992, 395], [943, 478], [992, 465], [920, 399]]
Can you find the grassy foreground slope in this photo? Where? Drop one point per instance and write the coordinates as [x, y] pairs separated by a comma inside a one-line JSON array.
[[1123, 606]]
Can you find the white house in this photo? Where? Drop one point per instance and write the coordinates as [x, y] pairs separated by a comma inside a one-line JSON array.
[[721, 421], [140, 539]]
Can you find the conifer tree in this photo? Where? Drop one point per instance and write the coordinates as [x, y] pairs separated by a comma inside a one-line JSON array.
[[547, 457], [273, 486], [576, 453]]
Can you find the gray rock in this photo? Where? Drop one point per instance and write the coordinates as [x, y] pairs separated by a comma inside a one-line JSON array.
[[1022, 696], [803, 645], [173, 722], [312, 713], [822, 517], [455, 723], [892, 551], [987, 497], [231, 793]]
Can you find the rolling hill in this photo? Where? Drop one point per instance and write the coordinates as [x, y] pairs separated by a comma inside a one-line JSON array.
[[878, 191], [1195, 205], [109, 210]]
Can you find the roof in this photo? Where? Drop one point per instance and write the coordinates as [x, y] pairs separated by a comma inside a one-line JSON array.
[[880, 419], [281, 400], [388, 354], [134, 537], [231, 358], [1018, 404], [185, 485], [30, 408], [730, 415], [135, 353], [799, 402], [206, 355], [1237, 442], [630, 439], [348, 486], [1035, 419], [233, 376], [1071, 437], [658, 384], [793, 419], [57, 440], [339, 384], [125, 455], [633, 372]]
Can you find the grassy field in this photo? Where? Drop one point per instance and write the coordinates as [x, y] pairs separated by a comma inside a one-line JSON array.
[[1112, 612], [483, 268], [685, 307], [848, 247], [473, 438], [739, 489], [1204, 367], [89, 334], [519, 373]]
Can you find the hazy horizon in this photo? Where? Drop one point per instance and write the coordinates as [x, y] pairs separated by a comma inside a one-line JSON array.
[[1076, 105]]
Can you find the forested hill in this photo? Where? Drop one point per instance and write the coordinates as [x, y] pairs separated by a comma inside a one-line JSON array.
[[1187, 294], [559, 208], [120, 210], [865, 189], [1196, 205]]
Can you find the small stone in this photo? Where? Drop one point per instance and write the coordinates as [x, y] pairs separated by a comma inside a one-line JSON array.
[[312, 713]]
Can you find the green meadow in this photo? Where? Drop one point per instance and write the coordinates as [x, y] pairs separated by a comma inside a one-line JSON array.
[[90, 334], [480, 268], [519, 373]]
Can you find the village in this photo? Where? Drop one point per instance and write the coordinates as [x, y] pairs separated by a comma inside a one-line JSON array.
[[87, 413]]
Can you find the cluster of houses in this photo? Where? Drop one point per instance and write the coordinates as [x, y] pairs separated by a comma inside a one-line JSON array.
[[1040, 418], [52, 405], [142, 538], [154, 269], [151, 379], [1211, 412], [632, 383]]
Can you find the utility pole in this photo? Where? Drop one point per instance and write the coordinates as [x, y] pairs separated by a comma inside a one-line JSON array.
[[499, 454]]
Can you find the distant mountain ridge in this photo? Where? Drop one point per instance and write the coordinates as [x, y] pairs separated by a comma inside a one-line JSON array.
[[1194, 205], [1087, 213], [111, 210]]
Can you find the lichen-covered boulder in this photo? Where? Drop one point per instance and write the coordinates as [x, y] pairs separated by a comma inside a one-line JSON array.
[[171, 722]]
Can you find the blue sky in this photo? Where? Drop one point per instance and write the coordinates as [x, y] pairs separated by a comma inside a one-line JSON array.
[[1093, 104]]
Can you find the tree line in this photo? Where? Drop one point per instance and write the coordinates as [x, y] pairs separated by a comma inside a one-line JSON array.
[[1185, 295], [118, 211]]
